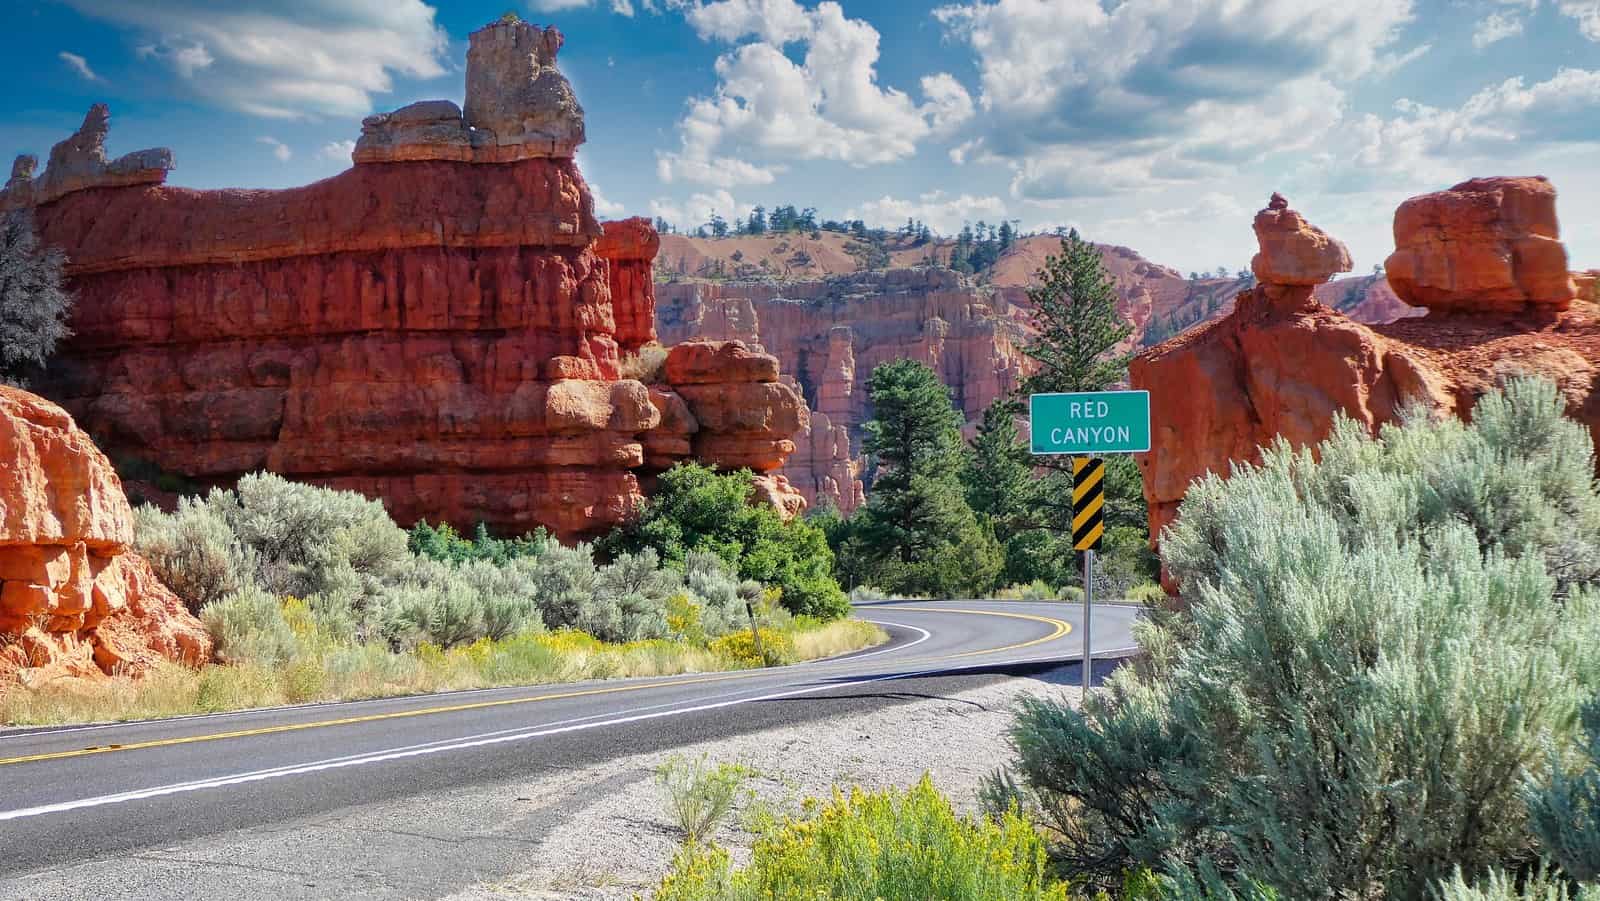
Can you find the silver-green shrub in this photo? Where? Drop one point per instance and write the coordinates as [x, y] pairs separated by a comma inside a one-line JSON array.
[[249, 627], [1566, 812], [1381, 650], [1499, 885], [193, 552]]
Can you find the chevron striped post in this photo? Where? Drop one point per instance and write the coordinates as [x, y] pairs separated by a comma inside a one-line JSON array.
[[1088, 525]]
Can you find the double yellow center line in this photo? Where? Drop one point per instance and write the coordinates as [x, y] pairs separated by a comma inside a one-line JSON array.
[[1060, 628]]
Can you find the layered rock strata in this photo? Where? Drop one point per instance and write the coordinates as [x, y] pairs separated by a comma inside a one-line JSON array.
[[439, 330], [74, 601], [830, 334], [1282, 365]]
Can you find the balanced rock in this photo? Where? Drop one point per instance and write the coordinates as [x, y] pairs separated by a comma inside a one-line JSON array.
[[1488, 245], [1270, 371], [75, 599], [1293, 251]]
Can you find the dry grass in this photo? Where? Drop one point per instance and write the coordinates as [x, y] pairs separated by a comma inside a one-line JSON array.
[[344, 673]]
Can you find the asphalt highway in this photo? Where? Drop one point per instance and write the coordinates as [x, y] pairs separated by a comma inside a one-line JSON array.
[[75, 794]]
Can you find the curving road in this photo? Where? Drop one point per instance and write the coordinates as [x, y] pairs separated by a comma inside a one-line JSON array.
[[70, 795]]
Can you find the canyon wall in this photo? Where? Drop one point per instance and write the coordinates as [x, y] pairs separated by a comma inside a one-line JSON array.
[[831, 333], [440, 326], [1485, 260]]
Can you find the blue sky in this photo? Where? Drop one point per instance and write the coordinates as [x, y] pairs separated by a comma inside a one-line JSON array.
[[1160, 124]]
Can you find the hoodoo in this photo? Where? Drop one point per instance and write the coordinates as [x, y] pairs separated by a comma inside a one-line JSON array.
[[1484, 257], [440, 326]]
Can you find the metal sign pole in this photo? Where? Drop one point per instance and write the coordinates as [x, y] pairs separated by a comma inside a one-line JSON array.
[[1088, 615]]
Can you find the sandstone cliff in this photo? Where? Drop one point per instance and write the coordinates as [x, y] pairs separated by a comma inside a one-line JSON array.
[[1484, 257], [440, 326], [73, 600], [831, 333]]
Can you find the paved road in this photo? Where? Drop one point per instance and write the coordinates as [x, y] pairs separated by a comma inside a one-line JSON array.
[[70, 795]]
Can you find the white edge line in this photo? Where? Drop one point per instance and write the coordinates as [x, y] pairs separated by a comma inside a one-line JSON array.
[[461, 745]]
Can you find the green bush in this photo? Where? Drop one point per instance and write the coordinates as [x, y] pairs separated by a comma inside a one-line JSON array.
[[1566, 813], [887, 845], [695, 508], [699, 794], [1382, 649], [1147, 593], [443, 543], [193, 552], [1501, 886], [249, 627]]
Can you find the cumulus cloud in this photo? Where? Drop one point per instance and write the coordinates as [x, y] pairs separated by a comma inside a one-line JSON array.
[[1494, 28], [602, 206], [321, 57], [1586, 13], [620, 7], [1081, 97], [79, 65], [941, 212], [338, 151], [699, 208], [827, 106], [279, 149], [1423, 144]]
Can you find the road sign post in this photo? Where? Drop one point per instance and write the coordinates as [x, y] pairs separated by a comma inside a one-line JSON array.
[[1085, 425]]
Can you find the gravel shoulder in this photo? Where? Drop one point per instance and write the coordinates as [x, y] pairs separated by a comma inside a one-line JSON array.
[[618, 844]]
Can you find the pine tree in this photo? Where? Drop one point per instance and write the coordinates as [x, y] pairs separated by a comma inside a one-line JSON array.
[[33, 305], [1079, 331], [1075, 309], [917, 527]]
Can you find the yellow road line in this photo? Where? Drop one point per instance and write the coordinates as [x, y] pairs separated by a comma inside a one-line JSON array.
[[1061, 628]]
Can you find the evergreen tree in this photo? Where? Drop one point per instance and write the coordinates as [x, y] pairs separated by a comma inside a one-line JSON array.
[[1079, 331], [1075, 309], [758, 221], [917, 528], [719, 226], [33, 305]]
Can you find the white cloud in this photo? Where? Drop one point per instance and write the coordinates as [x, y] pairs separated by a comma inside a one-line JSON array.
[[322, 57], [699, 208], [279, 149], [79, 65], [722, 170], [776, 22], [1586, 13], [828, 106], [620, 7], [1081, 98], [942, 213], [338, 151], [1388, 63], [602, 206], [1495, 27], [1423, 145]]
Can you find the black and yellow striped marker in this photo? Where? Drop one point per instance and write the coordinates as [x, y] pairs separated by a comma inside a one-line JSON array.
[[1088, 502]]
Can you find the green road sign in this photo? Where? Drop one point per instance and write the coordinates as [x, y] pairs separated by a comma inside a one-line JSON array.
[[1090, 423]]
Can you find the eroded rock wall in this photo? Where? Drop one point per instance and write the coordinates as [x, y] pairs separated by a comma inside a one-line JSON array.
[[74, 601], [1283, 365], [440, 326], [830, 335]]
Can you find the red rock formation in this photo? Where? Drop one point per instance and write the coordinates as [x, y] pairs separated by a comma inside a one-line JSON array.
[[73, 600], [629, 247], [439, 326], [830, 335], [1485, 245], [1282, 364]]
